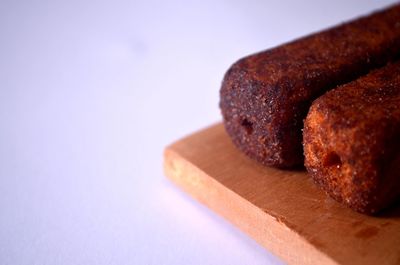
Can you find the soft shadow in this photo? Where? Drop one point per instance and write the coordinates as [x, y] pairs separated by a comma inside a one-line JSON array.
[[392, 212]]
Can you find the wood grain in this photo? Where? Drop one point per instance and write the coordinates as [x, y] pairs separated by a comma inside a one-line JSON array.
[[282, 210]]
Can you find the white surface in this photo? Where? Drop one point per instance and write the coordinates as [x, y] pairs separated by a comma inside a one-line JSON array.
[[91, 92]]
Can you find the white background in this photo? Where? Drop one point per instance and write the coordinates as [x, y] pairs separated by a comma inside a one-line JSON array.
[[92, 91]]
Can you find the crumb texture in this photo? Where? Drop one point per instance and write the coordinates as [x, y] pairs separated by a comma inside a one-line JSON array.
[[265, 97], [352, 144]]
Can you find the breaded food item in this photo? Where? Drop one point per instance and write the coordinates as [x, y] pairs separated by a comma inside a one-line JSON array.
[[265, 97], [352, 141]]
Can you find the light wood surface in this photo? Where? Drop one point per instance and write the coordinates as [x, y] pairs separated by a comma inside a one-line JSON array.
[[282, 210]]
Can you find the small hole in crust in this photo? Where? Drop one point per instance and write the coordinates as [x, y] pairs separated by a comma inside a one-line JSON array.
[[247, 125], [332, 159]]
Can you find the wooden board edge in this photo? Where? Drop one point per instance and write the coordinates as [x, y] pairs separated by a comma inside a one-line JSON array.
[[266, 229]]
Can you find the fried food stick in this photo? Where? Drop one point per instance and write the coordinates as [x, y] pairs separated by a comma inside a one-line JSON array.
[[265, 97], [352, 141]]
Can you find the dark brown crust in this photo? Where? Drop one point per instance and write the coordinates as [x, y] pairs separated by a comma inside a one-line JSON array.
[[352, 141], [265, 97]]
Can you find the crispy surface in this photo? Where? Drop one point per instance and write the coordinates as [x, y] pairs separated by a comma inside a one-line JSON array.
[[265, 97], [352, 143]]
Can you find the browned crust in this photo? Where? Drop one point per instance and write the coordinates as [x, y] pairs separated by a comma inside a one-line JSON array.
[[265, 97], [352, 141]]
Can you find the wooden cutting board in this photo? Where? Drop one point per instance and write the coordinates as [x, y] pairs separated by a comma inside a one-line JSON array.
[[282, 210]]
